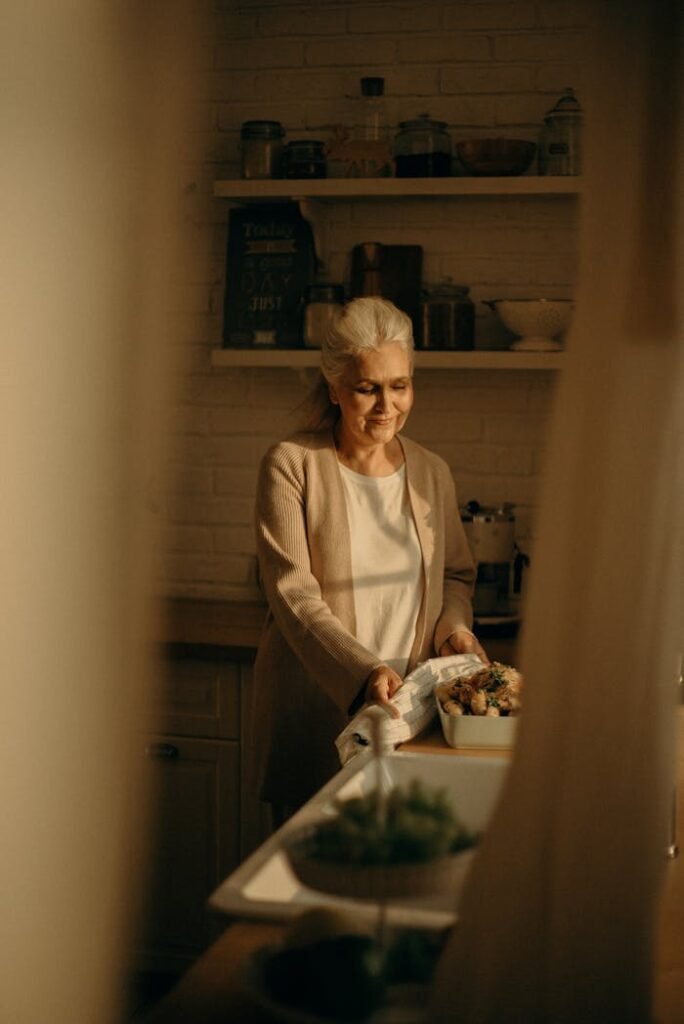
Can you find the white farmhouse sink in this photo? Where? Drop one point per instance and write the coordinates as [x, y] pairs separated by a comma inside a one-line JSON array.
[[264, 887]]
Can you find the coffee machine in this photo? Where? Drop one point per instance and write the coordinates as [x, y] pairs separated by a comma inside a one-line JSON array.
[[490, 531]]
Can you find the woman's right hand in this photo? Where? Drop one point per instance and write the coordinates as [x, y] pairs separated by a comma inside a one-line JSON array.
[[381, 685]]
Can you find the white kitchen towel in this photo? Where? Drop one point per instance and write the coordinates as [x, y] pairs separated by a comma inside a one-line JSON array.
[[415, 701]]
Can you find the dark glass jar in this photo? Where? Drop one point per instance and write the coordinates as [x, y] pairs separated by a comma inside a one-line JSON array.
[[261, 143], [422, 149], [305, 159], [448, 317]]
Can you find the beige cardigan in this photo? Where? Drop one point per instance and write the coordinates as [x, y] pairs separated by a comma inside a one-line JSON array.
[[310, 670]]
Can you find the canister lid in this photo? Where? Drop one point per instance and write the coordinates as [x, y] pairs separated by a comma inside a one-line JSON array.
[[422, 122], [262, 130], [447, 289], [567, 105], [372, 86], [306, 147]]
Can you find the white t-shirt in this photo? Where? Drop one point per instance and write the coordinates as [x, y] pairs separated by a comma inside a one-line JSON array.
[[387, 564]]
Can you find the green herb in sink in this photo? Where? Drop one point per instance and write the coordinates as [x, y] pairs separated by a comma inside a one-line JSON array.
[[417, 824]]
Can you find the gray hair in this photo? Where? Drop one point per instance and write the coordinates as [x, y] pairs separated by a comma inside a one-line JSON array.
[[364, 325]]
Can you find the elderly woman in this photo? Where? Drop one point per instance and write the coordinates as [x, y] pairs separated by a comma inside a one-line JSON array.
[[362, 557]]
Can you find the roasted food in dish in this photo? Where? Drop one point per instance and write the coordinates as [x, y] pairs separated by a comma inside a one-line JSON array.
[[495, 690]]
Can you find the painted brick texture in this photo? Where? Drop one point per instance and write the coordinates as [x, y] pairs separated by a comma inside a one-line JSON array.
[[485, 68]]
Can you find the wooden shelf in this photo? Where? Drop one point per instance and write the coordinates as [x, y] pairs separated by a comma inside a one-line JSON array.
[[476, 360], [394, 188]]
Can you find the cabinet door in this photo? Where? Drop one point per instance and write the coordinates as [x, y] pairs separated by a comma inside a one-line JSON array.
[[195, 842], [255, 815], [196, 696]]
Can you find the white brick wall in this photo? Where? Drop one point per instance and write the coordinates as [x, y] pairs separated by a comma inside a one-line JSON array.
[[484, 68]]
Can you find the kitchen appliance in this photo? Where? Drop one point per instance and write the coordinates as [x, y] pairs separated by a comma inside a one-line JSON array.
[[490, 531]]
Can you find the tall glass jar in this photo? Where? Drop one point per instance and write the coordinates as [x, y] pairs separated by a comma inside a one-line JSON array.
[[422, 149], [374, 149], [560, 150], [261, 143]]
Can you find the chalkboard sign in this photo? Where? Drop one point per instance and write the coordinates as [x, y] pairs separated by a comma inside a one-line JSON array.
[[271, 261]]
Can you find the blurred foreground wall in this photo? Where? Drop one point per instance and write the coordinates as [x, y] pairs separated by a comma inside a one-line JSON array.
[[92, 101]]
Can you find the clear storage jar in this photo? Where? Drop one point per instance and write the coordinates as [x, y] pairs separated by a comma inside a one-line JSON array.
[[261, 144], [422, 149], [448, 317], [560, 149], [324, 303]]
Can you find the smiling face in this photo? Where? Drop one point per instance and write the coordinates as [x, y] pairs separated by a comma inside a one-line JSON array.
[[375, 396]]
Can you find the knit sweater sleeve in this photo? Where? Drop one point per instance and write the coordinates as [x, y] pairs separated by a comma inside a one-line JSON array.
[[459, 567], [326, 648]]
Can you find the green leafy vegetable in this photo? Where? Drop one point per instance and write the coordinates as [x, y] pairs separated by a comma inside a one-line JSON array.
[[418, 825]]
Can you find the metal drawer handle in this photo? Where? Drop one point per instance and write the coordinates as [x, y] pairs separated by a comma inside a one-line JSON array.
[[164, 751]]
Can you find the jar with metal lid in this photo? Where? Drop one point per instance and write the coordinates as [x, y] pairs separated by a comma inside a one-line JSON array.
[[324, 303], [305, 158], [422, 149], [448, 317], [261, 143], [560, 150]]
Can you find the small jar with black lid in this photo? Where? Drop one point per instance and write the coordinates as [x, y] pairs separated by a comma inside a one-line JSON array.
[[305, 158], [261, 143]]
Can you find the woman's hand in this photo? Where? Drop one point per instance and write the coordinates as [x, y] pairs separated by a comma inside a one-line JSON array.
[[462, 641], [381, 685]]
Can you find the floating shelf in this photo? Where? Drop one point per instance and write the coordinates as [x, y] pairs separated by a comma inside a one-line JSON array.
[[302, 358], [394, 188]]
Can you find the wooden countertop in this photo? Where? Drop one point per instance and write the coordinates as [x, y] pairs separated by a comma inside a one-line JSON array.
[[213, 989]]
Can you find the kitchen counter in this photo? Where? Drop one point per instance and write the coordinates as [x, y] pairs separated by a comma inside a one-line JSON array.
[[213, 989]]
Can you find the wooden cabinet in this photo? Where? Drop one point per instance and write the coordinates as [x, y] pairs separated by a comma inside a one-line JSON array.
[[192, 751]]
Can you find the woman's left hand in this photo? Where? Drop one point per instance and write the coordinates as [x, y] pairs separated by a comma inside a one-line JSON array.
[[381, 686], [462, 641]]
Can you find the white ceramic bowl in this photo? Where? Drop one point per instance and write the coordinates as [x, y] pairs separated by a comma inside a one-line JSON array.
[[537, 322]]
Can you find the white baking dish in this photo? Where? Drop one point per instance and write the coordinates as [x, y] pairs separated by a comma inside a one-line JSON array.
[[476, 731]]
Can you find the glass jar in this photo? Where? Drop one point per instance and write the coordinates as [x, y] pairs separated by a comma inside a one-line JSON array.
[[261, 143], [448, 317], [422, 149], [305, 158], [324, 303], [560, 150], [373, 149]]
